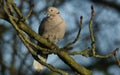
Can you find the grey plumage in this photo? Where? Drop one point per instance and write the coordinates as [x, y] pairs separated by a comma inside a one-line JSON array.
[[52, 28]]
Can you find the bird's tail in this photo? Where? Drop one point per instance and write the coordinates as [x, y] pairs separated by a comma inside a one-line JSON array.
[[37, 66]]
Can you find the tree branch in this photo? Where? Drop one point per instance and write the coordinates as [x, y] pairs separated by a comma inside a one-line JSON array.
[[83, 52], [77, 37], [93, 41], [91, 31]]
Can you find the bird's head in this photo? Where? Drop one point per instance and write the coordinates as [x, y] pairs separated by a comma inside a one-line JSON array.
[[52, 11]]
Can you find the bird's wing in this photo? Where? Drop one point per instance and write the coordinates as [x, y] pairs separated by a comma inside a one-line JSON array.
[[42, 27]]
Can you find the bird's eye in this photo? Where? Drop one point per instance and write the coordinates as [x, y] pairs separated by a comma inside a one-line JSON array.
[[51, 10]]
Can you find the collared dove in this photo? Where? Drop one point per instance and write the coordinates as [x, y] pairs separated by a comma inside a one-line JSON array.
[[52, 28]]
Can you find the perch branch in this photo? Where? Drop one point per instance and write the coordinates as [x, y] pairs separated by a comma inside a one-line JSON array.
[[34, 54], [63, 55]]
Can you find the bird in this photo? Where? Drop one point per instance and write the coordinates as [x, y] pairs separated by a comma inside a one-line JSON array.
[[53, 28]]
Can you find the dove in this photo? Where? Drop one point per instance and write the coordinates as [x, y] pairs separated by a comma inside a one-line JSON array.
[[53, 28]]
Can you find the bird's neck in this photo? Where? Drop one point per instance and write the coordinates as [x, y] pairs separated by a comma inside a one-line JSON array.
[[54, 18]]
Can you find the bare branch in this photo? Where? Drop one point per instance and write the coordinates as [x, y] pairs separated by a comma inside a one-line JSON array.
[[83, 52], [91, 31], [77, 37]]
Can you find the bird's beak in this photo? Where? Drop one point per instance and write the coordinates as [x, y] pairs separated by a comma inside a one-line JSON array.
[[58, 13]]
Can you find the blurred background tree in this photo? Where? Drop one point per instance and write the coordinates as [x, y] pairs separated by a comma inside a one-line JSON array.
[[16, 60]]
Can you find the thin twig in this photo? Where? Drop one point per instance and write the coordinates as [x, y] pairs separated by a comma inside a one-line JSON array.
[[118, 60], [83, 52], [17, 10], [91, 31], [116, 57], [29, 13], [77, 37], [107, 55]]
